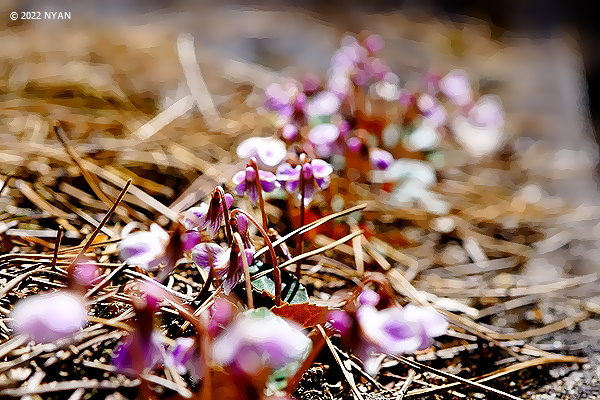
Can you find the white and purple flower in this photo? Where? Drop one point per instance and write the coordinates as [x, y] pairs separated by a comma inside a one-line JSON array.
[[380, 159], [245, 183], [456, 87], [205, 216], [257, 340], [49, 317], [323, 137], [316, 177], [269, 152], [481, 132], [395, 331], [226, 264], [184, 356], [145, 348], [145, 249]]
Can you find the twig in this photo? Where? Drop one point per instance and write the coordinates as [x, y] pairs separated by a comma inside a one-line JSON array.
[[406, 384], [347, 374], [501, 372], [59, 234], [193, 76], [99, 227], [438, 372], [310, 226]]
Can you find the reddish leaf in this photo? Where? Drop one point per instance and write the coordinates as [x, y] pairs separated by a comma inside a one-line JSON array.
[[305, 314]]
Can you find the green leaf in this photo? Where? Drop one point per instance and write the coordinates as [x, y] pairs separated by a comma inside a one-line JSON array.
[[292, 292]]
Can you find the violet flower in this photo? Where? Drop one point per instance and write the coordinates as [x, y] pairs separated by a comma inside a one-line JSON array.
[[226, 264], [85, 272], [395, 331], [481, 132], [245, 183], [222, 313], [143, 348], [316, 177], [268, 152], [380, 159], [205, 216], [145, 249], [323, 104], [258, 339], [126, 355], [456, 87], [184, 357], [46, 318], [278, 97], [323, 136]]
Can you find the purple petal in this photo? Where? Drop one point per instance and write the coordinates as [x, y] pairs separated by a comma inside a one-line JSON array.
[[368, 297], [49, 317], [247, 148], [240, 189], [228, 200], [195, 217], [374, 43], [250, 174], [85, 272], [380, 159], [268, 181], [307, 171], [487, 112], [323, 134], [433, 322], [322, 183], [324, 150], [204, 253], [354, 144], [340, 321], [311, 83], [252, 192], [426, 103], [239, 177], [285, 172], [455, 85], [340, 85], [242, 223], [309, 193], [321, 169], [289, 132], [143, 248], [152, 352], [344, 128], [190, 239], [291, 186], [232, 280], [324, 103]]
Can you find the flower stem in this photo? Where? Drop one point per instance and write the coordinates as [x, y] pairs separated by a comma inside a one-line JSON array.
[[261, 201], [225, 213], [59, 235], [300, 245], [240, 244], [276, 271]]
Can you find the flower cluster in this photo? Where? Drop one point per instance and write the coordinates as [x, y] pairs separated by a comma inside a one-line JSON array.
[[246, 344], [360, 118], [372, 328]]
